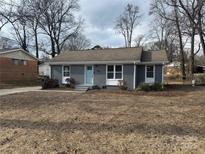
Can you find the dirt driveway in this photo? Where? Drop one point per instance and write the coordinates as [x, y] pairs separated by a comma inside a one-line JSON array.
[[103, 122]]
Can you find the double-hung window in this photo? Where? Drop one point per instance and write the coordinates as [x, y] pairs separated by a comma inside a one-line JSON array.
[[150, 72], [66, 71], [114, 72]]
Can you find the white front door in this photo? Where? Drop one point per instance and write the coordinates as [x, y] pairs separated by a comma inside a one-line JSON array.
[[150, 74], [65, 74], [89, 74]]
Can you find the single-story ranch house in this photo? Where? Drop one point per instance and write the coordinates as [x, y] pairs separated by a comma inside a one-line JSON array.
[[17, 65], [105, 67]]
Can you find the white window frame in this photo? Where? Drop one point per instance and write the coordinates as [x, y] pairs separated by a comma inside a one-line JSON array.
[[113, 81], [65, 77], [148, 79]]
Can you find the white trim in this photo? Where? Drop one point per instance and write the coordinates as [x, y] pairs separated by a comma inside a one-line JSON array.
[[146, 78], [93, 62], [85, 74], [16, 50], [114, 80], [134, 79], [108, 62]]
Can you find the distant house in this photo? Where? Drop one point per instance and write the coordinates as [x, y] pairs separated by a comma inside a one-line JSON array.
[[16, 65], [106, 67], [199, 69], [44, 69]]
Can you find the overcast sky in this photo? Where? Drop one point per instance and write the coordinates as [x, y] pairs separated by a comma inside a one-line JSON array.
[[100, 17]]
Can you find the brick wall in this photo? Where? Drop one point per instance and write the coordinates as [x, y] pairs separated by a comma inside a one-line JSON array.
[[15, 72]]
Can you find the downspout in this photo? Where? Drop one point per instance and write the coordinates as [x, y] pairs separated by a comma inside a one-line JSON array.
[[134, 79], [163, 75]]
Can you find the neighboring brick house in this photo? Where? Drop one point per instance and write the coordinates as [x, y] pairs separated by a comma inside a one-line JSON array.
[[17, 65]]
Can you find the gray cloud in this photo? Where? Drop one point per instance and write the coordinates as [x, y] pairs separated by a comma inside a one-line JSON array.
[[100, 17]]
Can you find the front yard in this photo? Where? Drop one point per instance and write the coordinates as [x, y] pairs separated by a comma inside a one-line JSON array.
[[103, 122]]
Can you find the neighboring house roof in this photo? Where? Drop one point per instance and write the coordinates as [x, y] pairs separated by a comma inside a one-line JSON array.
[[8, 53], [121, 55]]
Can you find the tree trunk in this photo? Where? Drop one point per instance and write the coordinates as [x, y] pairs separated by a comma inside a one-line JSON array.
[[180, 43], [53, 50], [24, 43], [200, 30], [36, 43], [192, 52]]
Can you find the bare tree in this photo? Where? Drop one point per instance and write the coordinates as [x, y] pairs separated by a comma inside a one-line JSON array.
[[58, 22], [15, 14], [169, 10], [77, 42], [194, 10], [33, 16], [127, 23], [140, 40]]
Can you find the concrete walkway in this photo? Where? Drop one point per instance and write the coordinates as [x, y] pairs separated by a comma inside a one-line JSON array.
[[28, 89], [18, 90]]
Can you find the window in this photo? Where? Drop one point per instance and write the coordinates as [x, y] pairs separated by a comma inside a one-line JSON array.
[[118, 71], [66, 71], [110, 72], [19, 62], [24, 62], [114, 72], [15, 61], [150, 72]]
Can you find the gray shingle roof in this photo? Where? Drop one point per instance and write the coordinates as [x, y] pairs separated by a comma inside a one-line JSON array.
[[113, 54], [120, 54]]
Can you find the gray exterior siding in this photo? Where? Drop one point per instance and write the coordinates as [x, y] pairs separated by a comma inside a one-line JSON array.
[[77, 72], [100, 75], [128, 75], [56, 73], [140, 74], [158, 73]]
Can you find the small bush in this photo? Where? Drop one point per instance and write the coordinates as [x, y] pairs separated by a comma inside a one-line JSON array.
[[104, 87], [49, 83], [70, 83], [154, 87], [144, 87], [96, 87]]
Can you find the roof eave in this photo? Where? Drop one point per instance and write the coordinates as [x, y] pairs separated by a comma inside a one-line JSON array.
[[93, 62]]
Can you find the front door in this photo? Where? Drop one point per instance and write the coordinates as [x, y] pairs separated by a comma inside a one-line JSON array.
[[89, 75]]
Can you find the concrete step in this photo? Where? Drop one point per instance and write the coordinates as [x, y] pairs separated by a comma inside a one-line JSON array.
[[82, 87]]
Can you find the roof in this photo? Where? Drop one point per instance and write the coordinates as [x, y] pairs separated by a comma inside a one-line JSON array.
[[154, 56], [5, 51], [121, 55]]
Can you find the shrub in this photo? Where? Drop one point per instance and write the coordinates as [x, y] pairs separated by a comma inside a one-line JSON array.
[[96, 87], [49, 83], [70, 83], [144, 86], [147, 87], [122, 84], [156, 87]]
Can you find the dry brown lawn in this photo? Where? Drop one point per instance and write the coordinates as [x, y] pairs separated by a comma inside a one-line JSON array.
[[103, 122]]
